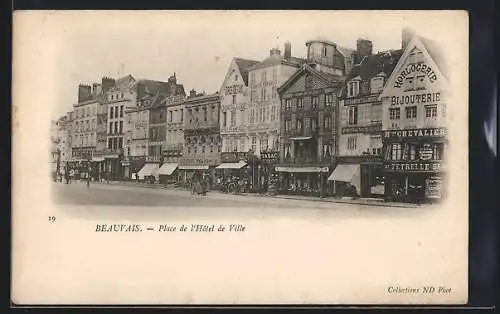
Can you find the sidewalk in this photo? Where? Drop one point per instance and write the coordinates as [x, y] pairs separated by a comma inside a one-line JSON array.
[[360, 201]]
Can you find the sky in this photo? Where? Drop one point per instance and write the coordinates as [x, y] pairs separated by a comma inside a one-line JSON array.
[[199, 46]]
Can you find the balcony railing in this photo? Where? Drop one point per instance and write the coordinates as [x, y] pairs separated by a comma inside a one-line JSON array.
[[177, 146], [314, 160]]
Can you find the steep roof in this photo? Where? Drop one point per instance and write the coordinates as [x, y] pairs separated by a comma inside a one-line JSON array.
[[276, 60], [243, 66], [125, 82], [346, 52], [328, 78], [371, 66], [152, 87], [436, 53]]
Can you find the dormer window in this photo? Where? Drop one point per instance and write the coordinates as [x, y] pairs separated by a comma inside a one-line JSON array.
[[353, 88], [377, 84]]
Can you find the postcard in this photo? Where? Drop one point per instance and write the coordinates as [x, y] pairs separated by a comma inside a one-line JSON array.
[[240, 157]]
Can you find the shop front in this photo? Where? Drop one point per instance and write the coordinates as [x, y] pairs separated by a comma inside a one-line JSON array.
[[149, 172], [188, 173], [299, 180], [364, 179], [167, 173]]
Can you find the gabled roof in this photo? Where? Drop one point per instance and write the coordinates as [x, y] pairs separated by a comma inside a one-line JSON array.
[[125, 82], [373, 65], [277, 60], [243, 66], [346, 52], [436, 53], [329, 79], [164, 88]]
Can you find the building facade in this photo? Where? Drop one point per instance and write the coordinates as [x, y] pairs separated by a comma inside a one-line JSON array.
[[308, 116], [360, 159], [202, 142], [414, 123], [263, 112]]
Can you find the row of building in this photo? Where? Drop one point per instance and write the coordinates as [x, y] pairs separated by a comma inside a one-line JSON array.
[[338, 122]]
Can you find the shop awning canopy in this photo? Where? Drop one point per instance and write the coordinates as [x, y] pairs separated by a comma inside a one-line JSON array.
[[302, 169], [232, 165], [344, 173], [167, 169], [148, 170], [193, 167], [299, 138]]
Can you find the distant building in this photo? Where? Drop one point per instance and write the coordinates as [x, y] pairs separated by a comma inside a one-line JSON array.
[[414, 122]]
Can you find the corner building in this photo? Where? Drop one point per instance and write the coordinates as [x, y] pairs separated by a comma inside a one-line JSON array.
[[414, 123]]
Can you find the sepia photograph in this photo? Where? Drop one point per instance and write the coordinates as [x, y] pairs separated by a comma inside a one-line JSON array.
[[240, 157]]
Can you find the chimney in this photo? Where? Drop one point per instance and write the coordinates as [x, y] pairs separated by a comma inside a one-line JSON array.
[[141, 90], [288, 50], [107, 83], [364, 47], [192, 93], [406, 37], [84, 92], [172, 85], [275, 52]]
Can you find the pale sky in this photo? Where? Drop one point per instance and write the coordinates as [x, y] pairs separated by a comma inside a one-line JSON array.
[[199, 46]]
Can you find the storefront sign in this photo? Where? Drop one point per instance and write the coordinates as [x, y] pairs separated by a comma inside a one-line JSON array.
[[418, 68], [234, 89], [360, 100], [362, 129], [270, 156], [413, 166], [415, 99], [233, 156], [428, 132]]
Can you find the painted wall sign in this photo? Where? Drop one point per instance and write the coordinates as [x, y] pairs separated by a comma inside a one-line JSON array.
[[413, 166], [361, 100], [270, 156], [234, 89], [362, 129], [419, 68], [429, 132], [415, 99]]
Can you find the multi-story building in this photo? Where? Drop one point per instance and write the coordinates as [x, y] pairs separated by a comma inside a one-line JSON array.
[[235, 99], [414, 122], [262, 113], [359, 160], [174, 145], [308, 120], [201, 135]]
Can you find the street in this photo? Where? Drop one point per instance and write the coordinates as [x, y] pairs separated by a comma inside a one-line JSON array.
[[108, 201]]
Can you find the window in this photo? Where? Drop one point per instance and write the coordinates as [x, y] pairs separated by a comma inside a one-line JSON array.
[[111, 112], [324, 51], [329, 100], [121, 127], [353, 115], [252, 115], [396, 151], [116, 112], [314, 124], [299, 124], [353, 88], [234, 99], [352, 142], [182, 115], [233, 117], [420, 82], [205, 114], [254, 143], [327, 122], [252, 78], [236, 77], [327, 150], [121, 110], [224, 119], [273, 113], [365, 87], [394, 113], [437, 151], [110, 128], [263, 143], [287, 125], [196, 114], [413, 151], [411, 112], [409, 83], [263, 76], [431, 111], [116, 127], [110, 143], [274, 93], [203, 149], [120, 142], [315, 101], [288, 104], [263, 94], [419, 56]]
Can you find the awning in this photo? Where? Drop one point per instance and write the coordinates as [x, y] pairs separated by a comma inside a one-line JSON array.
[[302, 169], [232, 165], [193, 167], [299, 138], [97, 159], [147, 170], [345, 173], [167, 169]]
